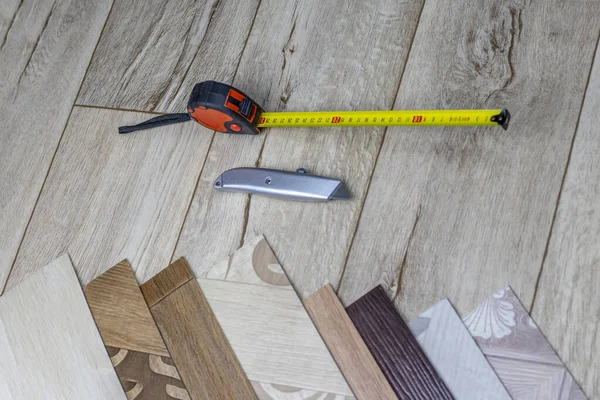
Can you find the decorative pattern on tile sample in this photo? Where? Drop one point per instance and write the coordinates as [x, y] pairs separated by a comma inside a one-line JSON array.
[[268, 328], [206, 362], [518, 351], [347, 347], [49, 345], [455, 355], [131, 337], [395, 349]]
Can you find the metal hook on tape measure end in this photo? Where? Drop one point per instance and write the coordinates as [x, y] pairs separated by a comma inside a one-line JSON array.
[[298, 185], [502, 119]]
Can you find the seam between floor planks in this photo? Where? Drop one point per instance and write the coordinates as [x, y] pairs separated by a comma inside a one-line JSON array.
[[562, 184], [12, 265]]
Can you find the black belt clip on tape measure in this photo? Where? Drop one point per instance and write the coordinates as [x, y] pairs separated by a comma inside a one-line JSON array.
[[214, 105]]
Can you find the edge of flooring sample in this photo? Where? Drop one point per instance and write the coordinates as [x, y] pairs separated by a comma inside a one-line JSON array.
[[396, 350], [518, 351], [455, 355], [136, 349], [349, 350], [207, 364], [268, 328], [121, 313], [166, 282], [47, 333]]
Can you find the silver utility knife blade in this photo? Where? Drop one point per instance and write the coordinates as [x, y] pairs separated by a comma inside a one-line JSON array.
[[297, 185]]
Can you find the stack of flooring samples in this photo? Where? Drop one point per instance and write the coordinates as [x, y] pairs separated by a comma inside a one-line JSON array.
[[241, 332]]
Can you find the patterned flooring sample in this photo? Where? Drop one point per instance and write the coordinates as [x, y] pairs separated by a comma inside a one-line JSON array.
[[49, 345], [517, 350], [395, 349], [455, 355], [268, 328], [131, 337], [347, 347], [204, 358]]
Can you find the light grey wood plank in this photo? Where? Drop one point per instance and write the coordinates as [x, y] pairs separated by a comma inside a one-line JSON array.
[[459, 212], [291, 62], [455, 355], [8, 10], [50, 346], [567, 303], [148, 46], [111, 197], [43, 59]]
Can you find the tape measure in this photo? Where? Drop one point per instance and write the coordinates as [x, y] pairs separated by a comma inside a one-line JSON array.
[[223, 108]]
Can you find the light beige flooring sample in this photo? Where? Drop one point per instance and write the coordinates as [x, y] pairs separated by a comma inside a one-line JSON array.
[[455, 355], [567, 305], [294, 60], [45, 47], [268, 328], [49, 345], [462, 211], [149, 47], [110, 197]]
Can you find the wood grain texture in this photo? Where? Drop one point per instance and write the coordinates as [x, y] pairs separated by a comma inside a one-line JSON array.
[[518, 351], [268, 328], [303, 67], [395, 349], [45, 48], [345, 344], [120, 312], [196, 342], [166, 281], [147, 376], [148, 47], [50, 346], [567, 305], [455, 355], [462, 211], [110, 197]]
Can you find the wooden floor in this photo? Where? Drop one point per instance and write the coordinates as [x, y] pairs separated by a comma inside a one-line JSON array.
[[435, 213]]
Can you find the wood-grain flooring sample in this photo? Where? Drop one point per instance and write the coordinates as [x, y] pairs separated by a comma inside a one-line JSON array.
[[110, 197], [455, 355], [166, 281], [268, 328], [148, 47], [49, 345], [131, 337], [45, 47], [347, 347], [567, 303], [458, 210], [314, 55], [206, 362], [517, 350], [395, 349]]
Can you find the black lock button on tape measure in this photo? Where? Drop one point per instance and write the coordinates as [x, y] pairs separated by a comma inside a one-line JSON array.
[[223, 108]]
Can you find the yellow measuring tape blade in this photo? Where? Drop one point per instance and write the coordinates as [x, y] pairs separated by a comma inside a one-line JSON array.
[[380, 118]]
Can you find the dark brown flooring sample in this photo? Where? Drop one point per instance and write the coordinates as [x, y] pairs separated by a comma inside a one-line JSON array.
[[136, 349], [166, 281], [395, 349], [206, 362]]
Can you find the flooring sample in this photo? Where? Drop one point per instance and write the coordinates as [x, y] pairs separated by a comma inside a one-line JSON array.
[[518, 352], [136, 349], [166, 281], [395, 349], [49, 343], [45, 47], [110, 197], [148, 48], [268, 328], [455, 355], [449, 203], [345, 344], [567, 302], [206, 363], [304, 67]]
